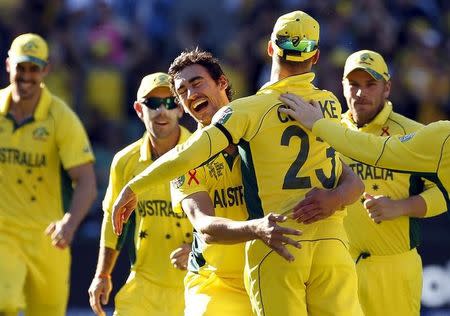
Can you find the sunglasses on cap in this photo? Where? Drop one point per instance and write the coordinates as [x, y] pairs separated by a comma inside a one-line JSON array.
[[154, 103], [295, 44]]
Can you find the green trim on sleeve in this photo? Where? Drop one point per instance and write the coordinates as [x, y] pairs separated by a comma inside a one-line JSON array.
[[416, 186], [66, 190], [251, 191], [127, 238]]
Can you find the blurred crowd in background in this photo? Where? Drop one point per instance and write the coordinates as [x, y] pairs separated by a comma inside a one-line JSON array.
[[100, 49]]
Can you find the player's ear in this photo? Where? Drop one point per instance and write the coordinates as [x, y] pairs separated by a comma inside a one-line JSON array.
[[46, 69], [138, 108], [223, 82], [7, 64], [270, 48], [316, 56], [180, 111], [387, 89]]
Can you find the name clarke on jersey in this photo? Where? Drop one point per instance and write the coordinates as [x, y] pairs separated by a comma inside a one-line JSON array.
[[328, 108]]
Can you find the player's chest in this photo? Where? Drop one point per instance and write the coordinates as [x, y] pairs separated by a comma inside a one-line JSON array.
[[29, 143]]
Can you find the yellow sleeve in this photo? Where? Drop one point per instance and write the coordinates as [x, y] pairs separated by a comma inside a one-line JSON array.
[[197, 149], [192, 182], [108, 238], [72, 140], [434, 200], [412, 152]]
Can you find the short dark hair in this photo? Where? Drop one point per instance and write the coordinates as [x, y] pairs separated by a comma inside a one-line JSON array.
[[202, 58]]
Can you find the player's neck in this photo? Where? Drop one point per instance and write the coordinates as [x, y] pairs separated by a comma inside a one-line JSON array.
[[21, 110], [159, 146], [276, 73], [279, 73]]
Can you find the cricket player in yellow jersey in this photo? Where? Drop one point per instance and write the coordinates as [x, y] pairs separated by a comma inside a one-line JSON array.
[[213, 197], [383, 240], [154, 286], [44, 153], [214, 284], [281, 163], [425, 152]]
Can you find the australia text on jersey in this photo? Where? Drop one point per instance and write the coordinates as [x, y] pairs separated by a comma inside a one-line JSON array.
[[22, 158], [157, 208]]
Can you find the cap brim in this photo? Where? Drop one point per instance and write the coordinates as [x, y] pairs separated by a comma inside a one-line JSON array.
[[375, 75], [143, 93], [30, 59], [293, 56]]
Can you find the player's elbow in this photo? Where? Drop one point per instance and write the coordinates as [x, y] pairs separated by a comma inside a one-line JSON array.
[[207, 234], [209, 239], [359, 187]]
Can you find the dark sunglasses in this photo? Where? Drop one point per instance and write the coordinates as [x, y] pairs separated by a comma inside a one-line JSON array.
[[154, 103]]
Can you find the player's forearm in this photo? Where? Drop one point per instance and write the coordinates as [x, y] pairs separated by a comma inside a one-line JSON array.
[[196, 150], [402, 153], [219, 230], [349, 188], [360, 146], [414, 206], [107, 258], [84, 194]]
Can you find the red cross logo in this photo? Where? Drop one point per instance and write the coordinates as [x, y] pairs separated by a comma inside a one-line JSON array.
[[385, 131], [192, 174]]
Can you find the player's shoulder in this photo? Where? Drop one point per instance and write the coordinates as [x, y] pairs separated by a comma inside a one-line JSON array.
[[59, 107], [323, 94], [127, 154], [408, 125], [440, 128], [246, 104], [432, 134]]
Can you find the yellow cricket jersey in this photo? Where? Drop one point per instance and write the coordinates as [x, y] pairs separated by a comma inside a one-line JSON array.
[[221, 178], [155, 230], [401, 234], [33, 158], [425, 152], [281, 161]]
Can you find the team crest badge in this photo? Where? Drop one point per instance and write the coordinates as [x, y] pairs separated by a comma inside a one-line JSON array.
[[178, 182], [406, 138], [224, 116], [30, 47], [40, 133], [366, 59]]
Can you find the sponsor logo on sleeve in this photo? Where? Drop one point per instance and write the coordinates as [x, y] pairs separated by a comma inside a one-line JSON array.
[[178, 182], [406, 137], [223, 116]]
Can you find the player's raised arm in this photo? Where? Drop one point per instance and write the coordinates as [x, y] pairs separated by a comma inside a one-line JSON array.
[[412, 153], [197, 149]]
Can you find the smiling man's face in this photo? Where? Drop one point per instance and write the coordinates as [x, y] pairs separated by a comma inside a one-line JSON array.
[[199, 94]]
